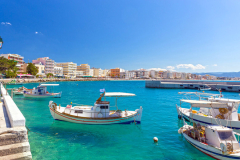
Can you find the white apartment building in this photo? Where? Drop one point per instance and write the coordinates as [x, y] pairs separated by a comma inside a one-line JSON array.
[[128, 74], [41, 69], [17, 58], [91, 72], [69, 68], [58, 71], [141, 73], [105, 73], [79, 74]]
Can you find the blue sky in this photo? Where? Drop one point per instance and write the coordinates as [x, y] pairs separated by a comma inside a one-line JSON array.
[[183, 35]]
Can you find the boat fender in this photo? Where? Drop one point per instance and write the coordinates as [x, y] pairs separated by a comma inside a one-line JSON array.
[[155, 139], [223, 148], [179, 116], [180, 131]]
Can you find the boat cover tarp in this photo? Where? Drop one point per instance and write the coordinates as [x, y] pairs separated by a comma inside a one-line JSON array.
[[205, 104], [118, 94], [49, 85]]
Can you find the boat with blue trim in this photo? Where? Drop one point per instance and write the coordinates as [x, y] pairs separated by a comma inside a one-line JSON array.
[[99, 113], [212, 109], [215, 141], [41, 92]]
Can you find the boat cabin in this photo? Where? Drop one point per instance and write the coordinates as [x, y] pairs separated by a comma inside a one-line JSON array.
[[217, 135]]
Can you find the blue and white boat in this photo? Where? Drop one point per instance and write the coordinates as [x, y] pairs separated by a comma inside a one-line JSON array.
[[215, 141], [41, 92], [99, 113]]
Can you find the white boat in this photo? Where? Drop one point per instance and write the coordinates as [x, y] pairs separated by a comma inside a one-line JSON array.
[[212, 110], [204, 89], [99, 113], [20, 90], [41, 92], [215, 141]]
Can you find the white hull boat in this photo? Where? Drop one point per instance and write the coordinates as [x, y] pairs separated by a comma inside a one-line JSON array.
[[215, 141], [218, 111], [100, 113], [41, 92]]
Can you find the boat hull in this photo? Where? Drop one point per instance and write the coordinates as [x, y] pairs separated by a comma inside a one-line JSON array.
[[210, 151], [135, 118], [37, 96]]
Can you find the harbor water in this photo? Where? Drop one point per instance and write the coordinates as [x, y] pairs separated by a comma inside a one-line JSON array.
[[58, 140]]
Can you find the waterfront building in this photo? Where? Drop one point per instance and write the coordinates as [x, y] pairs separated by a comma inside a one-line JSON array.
[[97, 72], [17, 58], [141, 73], [115, 73], [105, 73], [24, 67], [90, 72], [47, 62], [79, 74], [58, 71], [85, 68], [69, 68], [128, 74], [41, 69], [183, 75]]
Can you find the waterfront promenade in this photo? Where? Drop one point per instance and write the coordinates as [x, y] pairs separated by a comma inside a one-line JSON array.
[[13, 133]]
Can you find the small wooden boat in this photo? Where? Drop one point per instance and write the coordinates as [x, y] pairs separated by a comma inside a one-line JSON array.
[[215, 141], [41, 92], [204, 89], [99, 113]]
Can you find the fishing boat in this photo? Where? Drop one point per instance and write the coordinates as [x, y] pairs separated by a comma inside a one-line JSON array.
[[215, 141], [41, 92], [99, 113], [20, 90], [210, 109]]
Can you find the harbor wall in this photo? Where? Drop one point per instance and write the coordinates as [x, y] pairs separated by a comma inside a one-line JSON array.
[[15, 115], [14, 142], [224, 86]]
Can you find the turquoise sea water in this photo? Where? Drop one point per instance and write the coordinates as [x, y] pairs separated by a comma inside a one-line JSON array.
[[59, 140]]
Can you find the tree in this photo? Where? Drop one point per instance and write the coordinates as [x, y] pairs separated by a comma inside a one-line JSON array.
[[4, 65], [32, 69], [49, 75]]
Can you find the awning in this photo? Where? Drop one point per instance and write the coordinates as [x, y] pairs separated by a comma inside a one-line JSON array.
[[49, 85], [118, 94], [205, 104]]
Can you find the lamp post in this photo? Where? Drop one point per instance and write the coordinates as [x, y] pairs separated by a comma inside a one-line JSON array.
[[1, 42]]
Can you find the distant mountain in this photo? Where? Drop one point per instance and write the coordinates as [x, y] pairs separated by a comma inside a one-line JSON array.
[[222, 74]]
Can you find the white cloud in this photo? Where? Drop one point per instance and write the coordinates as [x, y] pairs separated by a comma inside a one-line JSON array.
[[215, 65], [6, 23], [191, 66], [157, 69], [36, 32], [171, 68]]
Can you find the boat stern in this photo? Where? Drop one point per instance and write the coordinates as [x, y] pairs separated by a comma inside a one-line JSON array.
[[52, 107]]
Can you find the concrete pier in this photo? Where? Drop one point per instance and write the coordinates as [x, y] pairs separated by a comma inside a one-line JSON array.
[[13, 133], [178, 84]]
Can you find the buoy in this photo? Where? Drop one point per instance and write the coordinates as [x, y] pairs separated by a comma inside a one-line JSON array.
[[155, 139], [71, 102]]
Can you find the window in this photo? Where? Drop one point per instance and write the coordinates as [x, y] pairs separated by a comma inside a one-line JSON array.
[[229, 87], [78, 111], [191, 85], [181, 85], [104, 107], [226, 135]]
